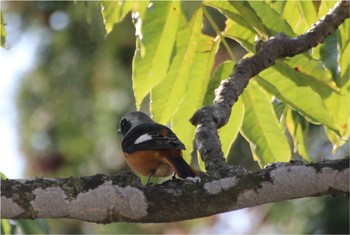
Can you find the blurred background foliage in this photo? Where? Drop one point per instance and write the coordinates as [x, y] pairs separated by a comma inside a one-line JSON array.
[[71, 102]]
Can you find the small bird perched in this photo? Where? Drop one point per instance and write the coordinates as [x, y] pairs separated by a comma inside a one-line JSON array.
[[152, 149]]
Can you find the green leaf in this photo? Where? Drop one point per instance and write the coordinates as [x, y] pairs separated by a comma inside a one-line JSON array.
[[195, 92], [237, 26], [303, 17], [273, 21], [338, 104], [325, 6], [251, 17], [3, 176], [291, 87], [168, 94], [38, 226], [2, 30], [229, 132], [154, 47], [314, 72], [298, 127], [5, 227], [260, 127], [114, 11], [222, 72], [344, 48], [240, 33], [327, 53]]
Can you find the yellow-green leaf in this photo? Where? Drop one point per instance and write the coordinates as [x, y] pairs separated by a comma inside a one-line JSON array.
[[298, 128], [2, 31], [114, 11], [298, 91], [260, 127], [229, 132], [195, 92], [154, 47], [168, 94]]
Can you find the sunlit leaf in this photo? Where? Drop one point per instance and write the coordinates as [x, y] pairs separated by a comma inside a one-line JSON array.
[[318, 76], [251, 16], [298, 127], [338, 104], [240, 33], [166, 96], [229, 132], [325, 6], [195, 93], [303, 17], [327, 53], [344, 48], [260, 127], [114, 11], [237, 26], [222, 72], [273, 21], [291, 87], [5, 227], [154, 47]]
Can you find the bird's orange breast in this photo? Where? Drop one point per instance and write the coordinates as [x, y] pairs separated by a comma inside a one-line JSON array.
[[147, 161]]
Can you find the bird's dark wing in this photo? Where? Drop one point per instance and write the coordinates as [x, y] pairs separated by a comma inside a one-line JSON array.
[[150, 136]]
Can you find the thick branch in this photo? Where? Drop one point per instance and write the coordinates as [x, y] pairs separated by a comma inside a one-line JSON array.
[[105, 199], [209, 118]]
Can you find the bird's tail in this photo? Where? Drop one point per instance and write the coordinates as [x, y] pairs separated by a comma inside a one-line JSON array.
[[181, 167]]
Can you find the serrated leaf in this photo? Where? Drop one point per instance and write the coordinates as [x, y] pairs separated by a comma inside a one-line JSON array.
[[260, 127], [153, 53], [298, 128], [195, 93], [291, 87], [166, 96], [114, 11]]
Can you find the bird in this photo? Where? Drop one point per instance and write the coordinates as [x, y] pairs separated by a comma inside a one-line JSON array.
[[152, 149]]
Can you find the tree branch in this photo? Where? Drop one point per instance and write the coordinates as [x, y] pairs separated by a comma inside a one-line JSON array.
[[209, 118], [105, 199]]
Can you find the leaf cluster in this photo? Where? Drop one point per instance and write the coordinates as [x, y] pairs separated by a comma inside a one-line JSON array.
[[179, 66]]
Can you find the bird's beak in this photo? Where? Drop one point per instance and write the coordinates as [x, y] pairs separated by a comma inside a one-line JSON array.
[[119, 131]]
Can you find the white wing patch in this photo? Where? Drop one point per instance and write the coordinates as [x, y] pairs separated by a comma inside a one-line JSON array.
[[143, 138]]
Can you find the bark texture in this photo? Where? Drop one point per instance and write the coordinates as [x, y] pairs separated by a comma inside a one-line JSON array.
[[105, 199]]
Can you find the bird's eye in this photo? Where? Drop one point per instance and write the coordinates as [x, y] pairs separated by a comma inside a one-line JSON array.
[[125, 126]]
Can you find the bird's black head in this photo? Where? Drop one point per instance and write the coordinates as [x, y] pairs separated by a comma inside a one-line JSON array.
[[131, 120]]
